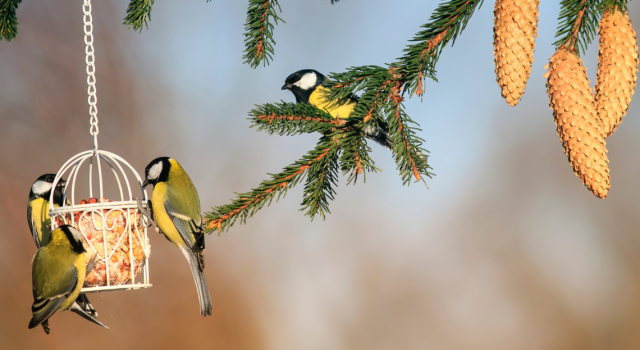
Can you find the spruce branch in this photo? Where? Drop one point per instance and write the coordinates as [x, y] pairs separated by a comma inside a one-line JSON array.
[[138, 14], [448, 21], [381, 101], [292, 119], [613, 5], [247, 204], [411, 159], [578, 24], [259, 31], [322, 175], [354, 158], [8, 20], [382, 87]]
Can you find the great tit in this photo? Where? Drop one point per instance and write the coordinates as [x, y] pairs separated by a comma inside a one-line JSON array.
[[38, 207], [306, 86], [58, 274], [40, 223], [176, 209]]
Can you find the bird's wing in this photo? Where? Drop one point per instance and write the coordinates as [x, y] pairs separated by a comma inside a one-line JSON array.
[[32, 226], [190, 232], [183, 207], [183, 223], [43, 308], [378, 135]]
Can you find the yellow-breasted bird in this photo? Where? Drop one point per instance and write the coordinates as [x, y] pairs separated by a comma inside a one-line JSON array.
[[306, 86], [176, 210], [58, 274], [38, 207], [40, 223]]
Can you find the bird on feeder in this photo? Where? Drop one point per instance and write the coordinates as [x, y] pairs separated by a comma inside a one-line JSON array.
[[40, 222], [58, 274], [176, 210]]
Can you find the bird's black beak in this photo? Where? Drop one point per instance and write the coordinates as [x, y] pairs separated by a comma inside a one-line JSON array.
[[145, 183], [286, 87], [61, 183]]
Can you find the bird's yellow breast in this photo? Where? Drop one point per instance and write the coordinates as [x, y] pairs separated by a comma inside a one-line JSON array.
[[41, 220], [341, 108], [81, 266], [160, 214]]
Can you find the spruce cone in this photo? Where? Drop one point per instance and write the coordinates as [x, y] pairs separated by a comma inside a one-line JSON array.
[[617, 69], [578, 126], [514, 33]]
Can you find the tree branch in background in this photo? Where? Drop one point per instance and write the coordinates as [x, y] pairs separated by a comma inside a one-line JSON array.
[[259, 31], [8, 20], [448, 21], [354, 158], [321, 176], [138, 14], [577, 24], [613, 5], [382, 88], [320, 162]]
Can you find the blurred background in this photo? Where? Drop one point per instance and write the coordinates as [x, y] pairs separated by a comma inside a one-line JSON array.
[[506, 249]]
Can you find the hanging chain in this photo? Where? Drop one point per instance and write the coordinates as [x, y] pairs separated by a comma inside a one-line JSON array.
[[91, 69]]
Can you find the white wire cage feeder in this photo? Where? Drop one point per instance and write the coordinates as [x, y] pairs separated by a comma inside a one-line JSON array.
[[114, 232]]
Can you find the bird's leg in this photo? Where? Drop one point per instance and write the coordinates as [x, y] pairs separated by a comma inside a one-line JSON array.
[[92, 263], [147, 213], [84, 303]]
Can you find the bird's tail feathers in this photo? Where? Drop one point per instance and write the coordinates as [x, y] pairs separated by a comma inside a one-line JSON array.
[[45, 326], [382, 138], [378, 135], [201, 284], [78, 310]]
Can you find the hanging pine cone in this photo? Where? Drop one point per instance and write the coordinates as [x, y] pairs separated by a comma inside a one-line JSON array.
[[514, 33], [617, 69], [578, 126]]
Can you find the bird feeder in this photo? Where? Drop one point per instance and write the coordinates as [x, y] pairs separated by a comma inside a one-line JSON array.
[[114, 231]]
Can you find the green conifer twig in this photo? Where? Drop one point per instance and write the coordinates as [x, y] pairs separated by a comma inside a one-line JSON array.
[[382, 87], [247, 204], [448, 21], [138, 14], [293, 119], [613, 5], [259, 31], [8, 20], [354, 158], [321, 177], [577, 24]]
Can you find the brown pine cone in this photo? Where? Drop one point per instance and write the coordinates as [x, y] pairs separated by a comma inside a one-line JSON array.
[[578, 126], [514, 33], [617, 69]]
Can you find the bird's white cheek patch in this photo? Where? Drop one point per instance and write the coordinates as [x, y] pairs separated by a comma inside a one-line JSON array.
[[41, 187], [307, 81], [76, 234], [155, 171]]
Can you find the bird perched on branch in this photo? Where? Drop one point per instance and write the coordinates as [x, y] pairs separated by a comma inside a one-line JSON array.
[[306, 86], [176, 210], [40, 223], [58, 274]]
